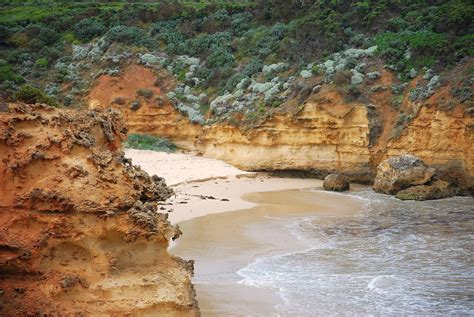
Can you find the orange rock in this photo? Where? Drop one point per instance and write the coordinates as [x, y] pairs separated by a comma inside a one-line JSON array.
[[79, 230]]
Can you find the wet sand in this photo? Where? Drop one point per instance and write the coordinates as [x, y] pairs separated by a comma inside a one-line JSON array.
[[229, 218], [223, 243]]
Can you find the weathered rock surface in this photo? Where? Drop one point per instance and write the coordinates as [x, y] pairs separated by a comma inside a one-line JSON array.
[[336, 182], [400, 172], [79, 230], [436, 190], [320, 134]]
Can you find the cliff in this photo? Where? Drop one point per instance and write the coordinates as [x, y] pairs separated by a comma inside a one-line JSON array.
[[321, 133], [79, 231]]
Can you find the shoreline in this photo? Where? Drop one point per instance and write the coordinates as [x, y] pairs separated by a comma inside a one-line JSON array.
[[224, 245], [230, 218], [207, 186]]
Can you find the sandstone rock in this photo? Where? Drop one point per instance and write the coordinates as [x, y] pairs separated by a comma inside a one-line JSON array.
[[327, 131], [400, 172], [79, 229], [336, 182], [437, 190]]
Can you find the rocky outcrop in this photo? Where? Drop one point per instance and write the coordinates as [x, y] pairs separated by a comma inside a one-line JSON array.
[[155, 115], [323, 137], [336, 182], [318, 134], [436, 190], [79, 230], [400, 172], [409, 178]]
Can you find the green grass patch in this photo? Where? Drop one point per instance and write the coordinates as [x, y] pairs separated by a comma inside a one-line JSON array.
[[149, 142]]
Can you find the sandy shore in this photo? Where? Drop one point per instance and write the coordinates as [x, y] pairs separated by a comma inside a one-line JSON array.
[[222, 244], [205, 186], [220, 241]]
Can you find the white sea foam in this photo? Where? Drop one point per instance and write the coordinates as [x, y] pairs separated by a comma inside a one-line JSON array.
[[394, 258]]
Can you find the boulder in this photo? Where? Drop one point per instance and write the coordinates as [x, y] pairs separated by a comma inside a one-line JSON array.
[[400, 172], [336, 182], [436, 190]]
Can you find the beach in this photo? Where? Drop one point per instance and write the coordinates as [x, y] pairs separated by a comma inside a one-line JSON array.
[[229, 218], [206, 186], [268, 246]]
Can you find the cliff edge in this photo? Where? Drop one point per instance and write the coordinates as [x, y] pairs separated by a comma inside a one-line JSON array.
[[79, 230]]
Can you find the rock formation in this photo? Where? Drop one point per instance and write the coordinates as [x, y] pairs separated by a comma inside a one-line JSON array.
[[320, 134], [336, 182], [436, 190], [400, 172], [409, 178], [79, 230]]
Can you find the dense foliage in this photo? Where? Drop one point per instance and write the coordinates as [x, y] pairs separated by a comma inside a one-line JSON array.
[[148, 142], [235, 39]]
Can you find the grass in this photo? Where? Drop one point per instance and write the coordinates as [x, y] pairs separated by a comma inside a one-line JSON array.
[[29, 11], [149, 142]]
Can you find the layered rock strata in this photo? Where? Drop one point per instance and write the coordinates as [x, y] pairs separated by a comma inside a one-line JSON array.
[[319, 134], [79, 230]]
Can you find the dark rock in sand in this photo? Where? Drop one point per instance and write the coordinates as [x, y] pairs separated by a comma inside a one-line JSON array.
[[336, 182]]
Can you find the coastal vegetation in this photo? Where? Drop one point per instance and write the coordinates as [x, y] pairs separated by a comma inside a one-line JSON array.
[[149, 142], [267, 98], [217, 48]]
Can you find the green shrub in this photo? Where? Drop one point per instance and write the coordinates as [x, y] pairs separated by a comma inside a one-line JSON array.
[[168, 32], [87, 29], [464, 46], [426, 48], [146, 93], [70, 38], [220, 57], [30, 94], [230, 84], [19, 40], [396, 101], [240, 22], [253, 67], [149, 142], [130, 35], [315, 69], [42, 62]]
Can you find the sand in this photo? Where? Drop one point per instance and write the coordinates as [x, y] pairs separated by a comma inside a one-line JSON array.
[[205, 186], [178, 168], [229, 218], [223, 243]]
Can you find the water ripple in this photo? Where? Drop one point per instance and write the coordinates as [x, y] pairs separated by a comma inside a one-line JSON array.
[[394, 257]]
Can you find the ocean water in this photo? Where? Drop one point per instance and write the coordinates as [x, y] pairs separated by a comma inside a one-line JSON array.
[[393, 258]]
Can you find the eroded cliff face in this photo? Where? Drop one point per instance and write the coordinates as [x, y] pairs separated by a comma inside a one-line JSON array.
[[322, 137], [322, 134], [79, 231], [444, 140], [153, 115]]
